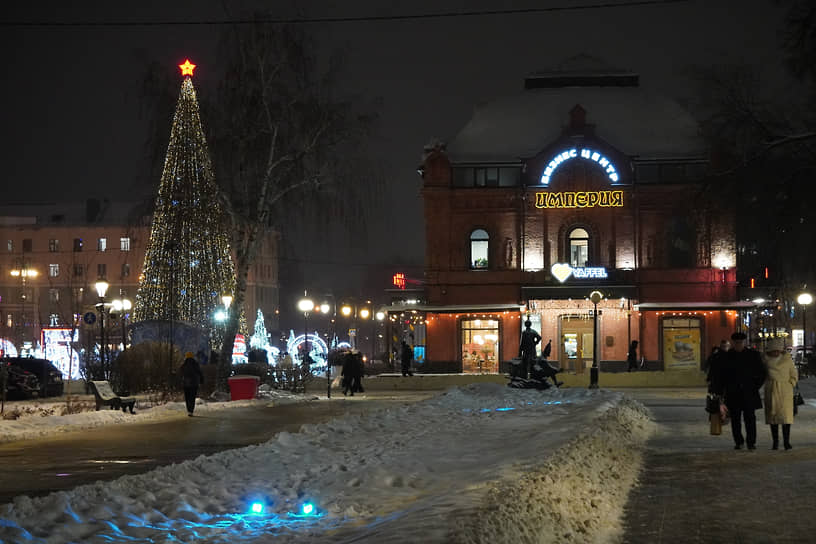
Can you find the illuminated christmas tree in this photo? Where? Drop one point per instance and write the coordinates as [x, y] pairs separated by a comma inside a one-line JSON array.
[[259, 338], [187, 265]]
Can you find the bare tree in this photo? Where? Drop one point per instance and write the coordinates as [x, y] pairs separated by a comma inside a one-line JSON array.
[[278, 138]]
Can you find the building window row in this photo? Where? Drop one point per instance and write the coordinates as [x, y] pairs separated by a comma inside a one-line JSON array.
[[578, 249], [486, 176], [54, 245]]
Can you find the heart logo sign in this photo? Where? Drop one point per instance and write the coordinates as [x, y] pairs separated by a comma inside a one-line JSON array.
[[561, 271]]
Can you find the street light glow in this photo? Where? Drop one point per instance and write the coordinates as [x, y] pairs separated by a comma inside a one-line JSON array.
[[346, 310], [325, 307], [380, 316], [364, 313], [305, 305], [804, 299], [101, 287]]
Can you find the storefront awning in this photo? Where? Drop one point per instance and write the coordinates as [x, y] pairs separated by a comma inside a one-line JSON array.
[[453, 308], [733, 305]]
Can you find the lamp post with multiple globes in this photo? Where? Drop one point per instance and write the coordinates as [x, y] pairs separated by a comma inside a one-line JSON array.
[[804, 301], [101, 287]]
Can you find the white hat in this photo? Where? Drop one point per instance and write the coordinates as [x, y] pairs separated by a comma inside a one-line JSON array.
[[775, 344]]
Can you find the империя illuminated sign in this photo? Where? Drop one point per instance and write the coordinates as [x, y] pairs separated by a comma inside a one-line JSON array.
[[562, 271], [580, 199], [584, 153]]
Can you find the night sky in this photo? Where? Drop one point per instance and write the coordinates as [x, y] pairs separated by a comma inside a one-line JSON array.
[[73, 125]]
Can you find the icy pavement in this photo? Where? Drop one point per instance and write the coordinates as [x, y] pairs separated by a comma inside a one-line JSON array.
[[482, 463], [41, 418]]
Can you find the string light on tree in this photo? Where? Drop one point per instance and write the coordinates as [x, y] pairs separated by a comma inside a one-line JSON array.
[[187, 261]]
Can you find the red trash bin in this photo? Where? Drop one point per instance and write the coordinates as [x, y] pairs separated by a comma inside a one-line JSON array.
[[243, 386]]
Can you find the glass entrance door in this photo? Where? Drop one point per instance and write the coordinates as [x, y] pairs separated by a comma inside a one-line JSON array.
[[577, 344]]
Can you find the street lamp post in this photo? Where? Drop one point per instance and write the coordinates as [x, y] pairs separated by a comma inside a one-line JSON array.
[[23, 271], [305, 305], [122, 307], [101, 289], [595, 297], [325, 309], [804, 300]]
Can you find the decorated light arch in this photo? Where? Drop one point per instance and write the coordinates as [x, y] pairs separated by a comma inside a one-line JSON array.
[[318, 350]]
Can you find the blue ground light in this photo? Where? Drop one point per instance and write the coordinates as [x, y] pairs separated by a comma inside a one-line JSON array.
[[256, 507]]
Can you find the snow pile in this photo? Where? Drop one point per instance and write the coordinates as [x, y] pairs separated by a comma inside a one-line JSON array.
[[37, 418], [577, 496], [482, 463]]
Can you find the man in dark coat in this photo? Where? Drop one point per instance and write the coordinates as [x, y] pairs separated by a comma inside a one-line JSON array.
[[406, 356], [527, 347], [191, 378], [742, 374]]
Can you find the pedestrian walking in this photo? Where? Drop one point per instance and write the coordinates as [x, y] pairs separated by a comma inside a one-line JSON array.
[[631, 357], [527, 347], [545, 353], [715, 365], [782, 378], [742, 376], [191, 378], [352, 372], [406, 356]]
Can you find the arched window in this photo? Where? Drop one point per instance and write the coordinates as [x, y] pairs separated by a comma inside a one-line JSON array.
[[578, 247], [479, 243]]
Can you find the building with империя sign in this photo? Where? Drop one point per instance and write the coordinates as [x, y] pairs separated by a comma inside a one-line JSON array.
[[582, 181]]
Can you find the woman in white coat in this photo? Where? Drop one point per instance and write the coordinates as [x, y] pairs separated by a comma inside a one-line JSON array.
[[782, 378]]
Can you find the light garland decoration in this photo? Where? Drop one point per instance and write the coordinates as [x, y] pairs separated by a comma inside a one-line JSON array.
[[318, 350], [188, 265]]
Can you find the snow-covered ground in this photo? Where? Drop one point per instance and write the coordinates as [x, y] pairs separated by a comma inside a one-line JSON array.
[[40, 418], [482, 463]]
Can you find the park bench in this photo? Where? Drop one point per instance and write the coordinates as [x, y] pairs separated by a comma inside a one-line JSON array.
[[106, 397]]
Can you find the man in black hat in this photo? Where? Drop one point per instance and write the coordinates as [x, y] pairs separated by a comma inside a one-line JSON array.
[[741, 377]]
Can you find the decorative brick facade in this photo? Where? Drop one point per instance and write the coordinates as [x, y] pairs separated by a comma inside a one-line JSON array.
[[631, 223]]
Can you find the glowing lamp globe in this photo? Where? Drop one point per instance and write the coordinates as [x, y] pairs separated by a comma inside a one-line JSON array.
[[804, 299], [305, 305], [307, 509], [256, 507]]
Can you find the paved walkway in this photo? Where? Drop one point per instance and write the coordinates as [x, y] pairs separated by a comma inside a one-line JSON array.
[[696, 488]]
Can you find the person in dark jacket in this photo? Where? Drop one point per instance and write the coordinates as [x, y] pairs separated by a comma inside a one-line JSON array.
[[743, 373], [714, 366], [631, 357], [406, 356], [352, 372], [191, 378]]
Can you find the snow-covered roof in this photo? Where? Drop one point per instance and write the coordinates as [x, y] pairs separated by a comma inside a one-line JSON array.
[[633, 120]]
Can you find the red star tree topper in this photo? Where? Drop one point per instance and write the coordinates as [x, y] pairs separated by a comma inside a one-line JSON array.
[[187, 68]]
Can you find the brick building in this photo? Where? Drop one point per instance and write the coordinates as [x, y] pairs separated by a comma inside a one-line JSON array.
[[581, 182], [52, 254]]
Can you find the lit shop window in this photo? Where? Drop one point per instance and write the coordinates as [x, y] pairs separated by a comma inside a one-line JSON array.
[[479, 243], [578, 247], [124, 243], [102, 244], [53, 245], [480, 345], [53, 270]]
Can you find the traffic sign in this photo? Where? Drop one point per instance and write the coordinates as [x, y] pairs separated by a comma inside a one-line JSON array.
[[89, 318]]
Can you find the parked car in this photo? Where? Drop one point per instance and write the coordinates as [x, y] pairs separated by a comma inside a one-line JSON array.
[[20, 383], [49, 377]]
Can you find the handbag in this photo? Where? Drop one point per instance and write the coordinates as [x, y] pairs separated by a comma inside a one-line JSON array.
[[797, 400], [712, 404]]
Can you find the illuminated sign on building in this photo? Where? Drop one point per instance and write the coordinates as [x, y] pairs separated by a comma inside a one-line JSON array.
[[399, 280], [562, 271], [579, 199], [584, 153]]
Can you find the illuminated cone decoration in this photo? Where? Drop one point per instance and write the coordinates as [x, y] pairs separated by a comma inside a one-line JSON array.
[[187, 265]]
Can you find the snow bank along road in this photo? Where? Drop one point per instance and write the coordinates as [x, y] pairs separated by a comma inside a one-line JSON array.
[[482, 463]]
